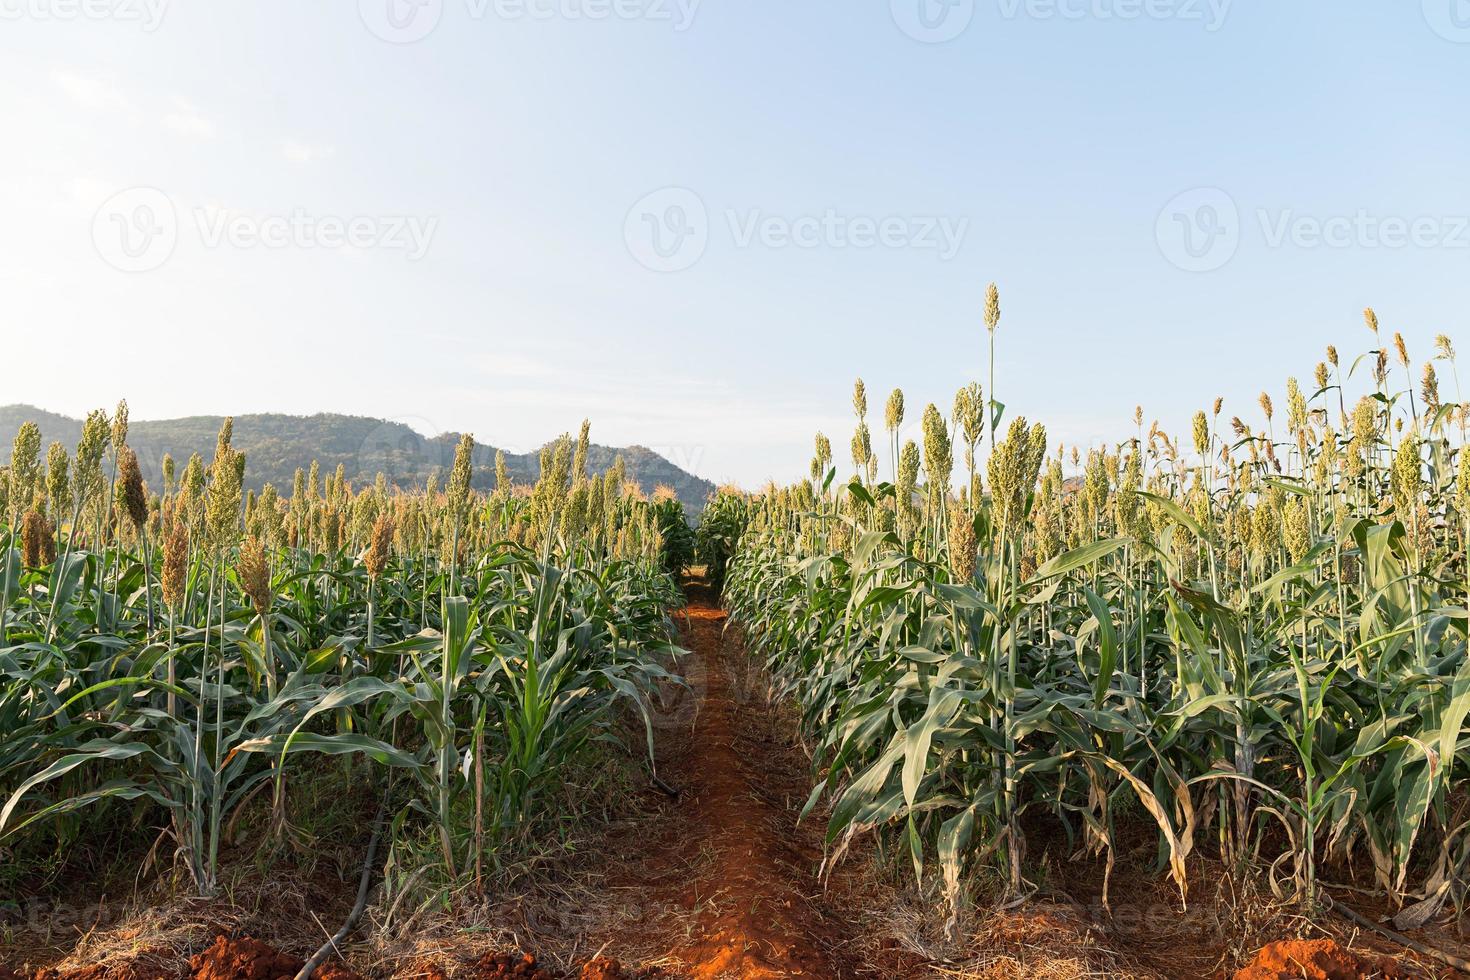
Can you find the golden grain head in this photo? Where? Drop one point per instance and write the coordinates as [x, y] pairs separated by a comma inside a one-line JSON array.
[[37, 541], [893, 411], [175, 563], [253, 569], [132, 495], [1201, 432], [381, 546]]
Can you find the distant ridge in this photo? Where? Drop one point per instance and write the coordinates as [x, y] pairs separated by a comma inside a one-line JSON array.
[[275, 445]]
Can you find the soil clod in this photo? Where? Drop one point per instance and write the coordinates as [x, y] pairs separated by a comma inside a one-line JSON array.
[[247, 959], [1315, 959]]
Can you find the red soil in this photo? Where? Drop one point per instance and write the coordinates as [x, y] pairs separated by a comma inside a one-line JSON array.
[[739, 872], [247, 959], [603, 968], [504, 966], [1315, 959], [523, 966]]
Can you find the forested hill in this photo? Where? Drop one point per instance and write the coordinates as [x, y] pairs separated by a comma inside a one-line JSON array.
[[275, 445]]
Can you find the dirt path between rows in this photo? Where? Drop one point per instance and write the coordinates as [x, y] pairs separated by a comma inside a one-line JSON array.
[[732, 875]]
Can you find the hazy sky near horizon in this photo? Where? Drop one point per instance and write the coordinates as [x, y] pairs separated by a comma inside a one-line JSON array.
[[697, 222]]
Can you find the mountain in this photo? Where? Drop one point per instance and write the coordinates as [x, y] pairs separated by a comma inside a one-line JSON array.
[[275, 445]]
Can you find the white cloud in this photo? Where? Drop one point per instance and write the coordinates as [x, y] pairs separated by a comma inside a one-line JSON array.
[[306, 152], [186, 119], [90, 93]]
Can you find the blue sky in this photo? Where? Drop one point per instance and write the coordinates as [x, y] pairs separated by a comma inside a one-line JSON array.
[[181, 181]]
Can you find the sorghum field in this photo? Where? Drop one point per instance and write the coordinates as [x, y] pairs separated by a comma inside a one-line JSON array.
[[1179, 706]]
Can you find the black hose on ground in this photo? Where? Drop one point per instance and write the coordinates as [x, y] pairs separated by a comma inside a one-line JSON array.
[[320, 956], [1401, 939]]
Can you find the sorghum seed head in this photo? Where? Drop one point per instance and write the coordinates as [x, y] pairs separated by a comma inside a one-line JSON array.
[[1296, 406], [862, 447], [1201, 433], [938, 460], [131, 494], [823, 447], [459, 476], [37, 546], [893, 413], [1429, 389], [255, 574], [25, 465], [120, 426], [962, 550], [175, 563], [1365, 420], [376, 558], [1295, 528], [222, 513], [58, 484], [1405, 478]]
